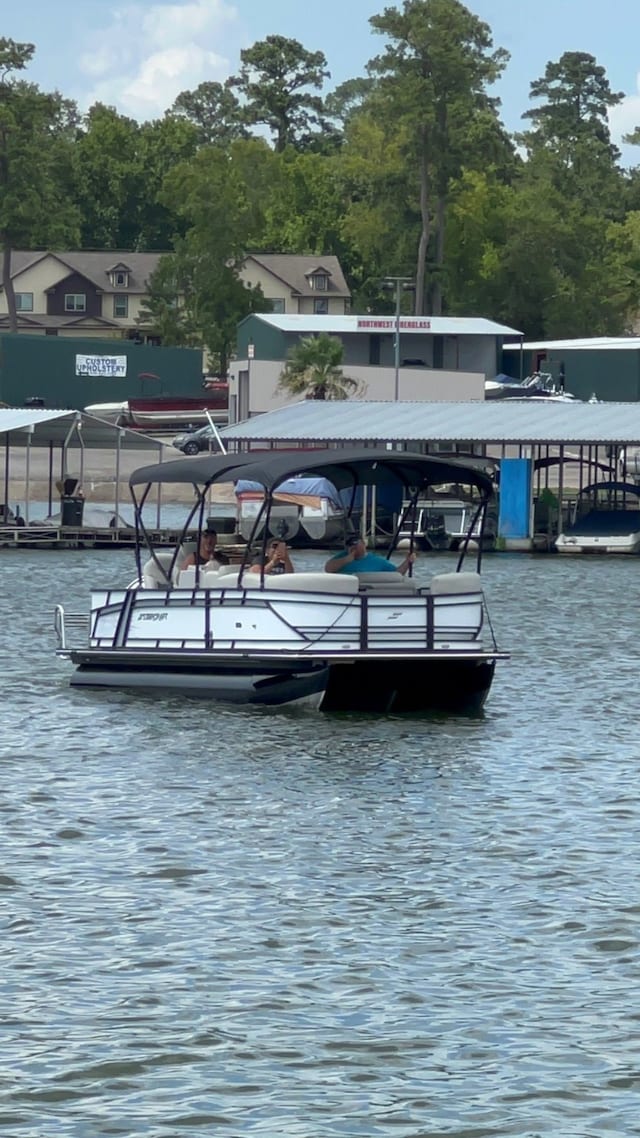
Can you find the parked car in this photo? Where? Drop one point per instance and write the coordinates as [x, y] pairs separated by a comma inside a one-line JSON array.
[[192, 442]]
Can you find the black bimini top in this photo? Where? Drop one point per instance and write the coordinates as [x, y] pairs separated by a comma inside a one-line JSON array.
[[361, 466]]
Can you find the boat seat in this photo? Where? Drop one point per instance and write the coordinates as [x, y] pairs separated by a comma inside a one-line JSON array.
[[152, 577], [386, 583], [186, 578], [297, 582], [444, 584], [226, 570], [314, 582], [184, 550]]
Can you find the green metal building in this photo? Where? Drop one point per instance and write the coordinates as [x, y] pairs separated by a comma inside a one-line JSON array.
[[606, 367], [55, 370]]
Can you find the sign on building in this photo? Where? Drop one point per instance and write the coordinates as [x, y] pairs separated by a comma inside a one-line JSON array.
[[388, 323], [115, 366]]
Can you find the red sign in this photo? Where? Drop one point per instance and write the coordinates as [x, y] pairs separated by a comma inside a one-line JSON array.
[[388, 323]]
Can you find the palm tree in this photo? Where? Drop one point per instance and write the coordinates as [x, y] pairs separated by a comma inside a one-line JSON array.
[[313, 370]]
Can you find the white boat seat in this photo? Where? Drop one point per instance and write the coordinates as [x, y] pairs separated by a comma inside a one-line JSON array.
[[447, 583], [313, 582], [224, 578], [386, 583], [186, 578], [152, 577], [297, 582], [184, 550]]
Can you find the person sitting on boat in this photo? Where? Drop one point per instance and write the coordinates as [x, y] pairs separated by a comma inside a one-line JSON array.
[[355, 558], [206, 553], [276, 560]]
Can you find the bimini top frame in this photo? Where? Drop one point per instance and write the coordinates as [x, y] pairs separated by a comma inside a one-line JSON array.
[[346, 468]]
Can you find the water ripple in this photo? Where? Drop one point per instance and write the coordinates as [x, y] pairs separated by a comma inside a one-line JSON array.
[[249, 922]]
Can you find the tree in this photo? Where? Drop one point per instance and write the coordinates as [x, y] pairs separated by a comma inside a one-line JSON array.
[[35, 139], [108, 182], [570, 130], [272, 82], [302, 205], [166, 310], [211, 197], [162, 145], [348, 98], [313, 370], [578, 97], [433, 76], [214, 110]]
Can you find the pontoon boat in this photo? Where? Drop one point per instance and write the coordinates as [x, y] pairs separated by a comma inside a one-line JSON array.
[[372, 642]]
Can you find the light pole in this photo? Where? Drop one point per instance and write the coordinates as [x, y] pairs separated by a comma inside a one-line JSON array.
[[399, 285]]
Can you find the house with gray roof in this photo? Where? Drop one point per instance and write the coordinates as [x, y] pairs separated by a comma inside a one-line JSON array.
[[297, 284], [101, 294], [81, 294]]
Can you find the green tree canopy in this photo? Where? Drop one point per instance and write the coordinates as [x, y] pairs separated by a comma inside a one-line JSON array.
[[432, 80], [273, 82], [36, 132], [198, 295], [215, 112]]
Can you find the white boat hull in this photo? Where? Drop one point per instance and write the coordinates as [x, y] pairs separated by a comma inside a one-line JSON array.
[[575, 544], [404, 650]]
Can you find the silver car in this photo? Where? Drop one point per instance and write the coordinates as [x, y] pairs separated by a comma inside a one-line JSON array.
[[193, 442]]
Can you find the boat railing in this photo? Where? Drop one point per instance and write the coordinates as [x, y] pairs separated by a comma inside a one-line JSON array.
[[76, 623], [331, 614]]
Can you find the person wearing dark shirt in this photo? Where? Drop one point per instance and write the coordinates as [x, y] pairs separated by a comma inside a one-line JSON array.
[[206, 553], [276, 560]]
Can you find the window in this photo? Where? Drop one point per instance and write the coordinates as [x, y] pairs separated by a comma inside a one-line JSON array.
[[120, 278], [121, 306], [319, 282], [374, 350], [75, 302], [277, 303], [321, 307], [24, 302]]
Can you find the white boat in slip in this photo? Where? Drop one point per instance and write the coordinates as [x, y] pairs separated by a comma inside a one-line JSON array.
[[374, 642], [605, 519]]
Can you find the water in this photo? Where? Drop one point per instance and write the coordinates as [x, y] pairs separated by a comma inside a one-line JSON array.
[[246, 922]]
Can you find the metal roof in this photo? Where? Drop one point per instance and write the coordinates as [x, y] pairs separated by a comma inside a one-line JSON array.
[[611, 343], [53, 427], [438, 325], [496, 421]]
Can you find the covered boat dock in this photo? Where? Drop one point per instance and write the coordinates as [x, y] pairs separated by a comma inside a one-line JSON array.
[[53, 460], [547, 452]]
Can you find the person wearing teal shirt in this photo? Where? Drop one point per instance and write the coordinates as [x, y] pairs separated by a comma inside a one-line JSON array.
[[356, 559]]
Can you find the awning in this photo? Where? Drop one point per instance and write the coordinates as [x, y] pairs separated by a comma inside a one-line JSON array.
[[51, 428]]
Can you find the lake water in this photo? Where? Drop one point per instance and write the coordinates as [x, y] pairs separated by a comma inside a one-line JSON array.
[[240, 922]]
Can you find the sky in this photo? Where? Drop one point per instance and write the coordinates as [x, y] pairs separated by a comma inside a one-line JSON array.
[[137, 55]]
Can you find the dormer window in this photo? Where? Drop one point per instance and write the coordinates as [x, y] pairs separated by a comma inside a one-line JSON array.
[[119, 276], [318, 278]]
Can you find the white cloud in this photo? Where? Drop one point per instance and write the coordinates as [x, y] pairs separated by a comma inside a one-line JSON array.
[[148, 54], [625, 117]]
